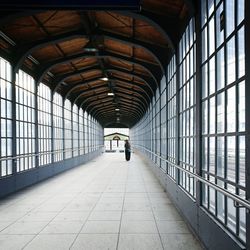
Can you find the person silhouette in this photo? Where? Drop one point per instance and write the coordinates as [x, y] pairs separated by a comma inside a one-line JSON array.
[[127, 150]]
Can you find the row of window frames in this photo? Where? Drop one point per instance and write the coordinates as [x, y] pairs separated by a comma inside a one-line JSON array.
[[26, 145], [5, 89], [218, 36], [217, 75], [188, 97], [217, 151], [216, 202], [223, 106]]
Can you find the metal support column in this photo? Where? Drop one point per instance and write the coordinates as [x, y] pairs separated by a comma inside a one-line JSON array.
[[177, 129], [36, 126], [197, 87], [14, 140], [63, 127], [247, 115], [52, 128]]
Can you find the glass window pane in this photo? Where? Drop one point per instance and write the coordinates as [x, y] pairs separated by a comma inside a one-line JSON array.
[[212, 75], [230, 16], [211, 36], [212, 116], [204, 154], [231, 114], [241, 106], [220, 157], [204, 117], [203, 12], [231, 217], [204, 44], [220, 113], [231, 160], [220, 69], [241, 10], [241, 52], [231, 61], [220, 203], [242, 161], [219, 26], [210, 6], [212, 155], [204, 81]]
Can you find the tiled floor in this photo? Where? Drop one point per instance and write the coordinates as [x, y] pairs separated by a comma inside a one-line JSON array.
[[106, 204]]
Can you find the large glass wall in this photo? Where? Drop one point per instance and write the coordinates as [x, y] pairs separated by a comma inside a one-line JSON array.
[[68, 129], [223, 109], [187, 107], [75, 131], [86, 133], [61, 132], [163, 134], [171, 128], [58, 127], [222, 113], [44, 124], [81, 131], [158, 126], [25, 121], [6, 118]]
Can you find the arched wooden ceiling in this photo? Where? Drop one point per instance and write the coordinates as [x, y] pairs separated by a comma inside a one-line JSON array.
[[72, 51]]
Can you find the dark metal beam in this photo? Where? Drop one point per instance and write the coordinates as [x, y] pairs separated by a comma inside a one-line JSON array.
[[61, 78], [121, 124], [21, 53], [134, 99], [123, 100], [112, 106], [107, 112], [26, 49], [112, 79], [158, 53], [110, 111], [149, 68], [95, 97], [126, 101], [144, 79], [152, 20]]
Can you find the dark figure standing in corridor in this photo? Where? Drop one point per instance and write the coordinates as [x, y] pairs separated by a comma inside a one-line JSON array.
[[127, 150]]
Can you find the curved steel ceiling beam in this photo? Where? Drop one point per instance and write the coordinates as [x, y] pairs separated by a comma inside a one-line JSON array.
[[152, 70], [112, 79], [22, 52], [105, 112], [98, 107], [126, 102], [57, 82]]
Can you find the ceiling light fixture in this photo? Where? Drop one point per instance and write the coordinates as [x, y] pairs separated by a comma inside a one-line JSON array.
[[111, 94], [117, 109], [104, 79], [90, 49]]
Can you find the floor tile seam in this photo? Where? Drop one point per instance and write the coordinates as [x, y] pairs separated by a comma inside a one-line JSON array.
[[162, 245], [46, 225], [132, 233], [53, 218], [191, 232], [70, 247], [19, 219], [124, 196]]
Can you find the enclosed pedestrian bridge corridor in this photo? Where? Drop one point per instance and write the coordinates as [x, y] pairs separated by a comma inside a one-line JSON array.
[[107, 203], [175, 73]]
